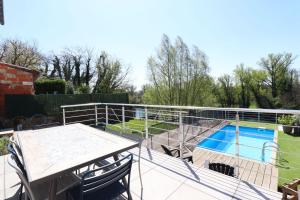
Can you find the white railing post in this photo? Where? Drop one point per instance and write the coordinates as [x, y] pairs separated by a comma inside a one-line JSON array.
[[181, 134], [96, 116], [106, 115], [123, 119], [64, 116], [237, 147], [146, 127]]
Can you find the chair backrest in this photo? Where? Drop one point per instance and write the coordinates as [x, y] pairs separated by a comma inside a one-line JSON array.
[[90, 184], [16, 159], [15, 145], [222, 168], [166, 150], [11, 159]]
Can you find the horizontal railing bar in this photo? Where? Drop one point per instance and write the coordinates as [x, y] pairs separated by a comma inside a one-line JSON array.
[[278, 111], [79, 116], [70, 111], [81, 121], [115, 120]]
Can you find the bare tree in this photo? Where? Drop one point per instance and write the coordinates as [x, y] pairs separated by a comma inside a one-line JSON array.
[[74, 65], [20, 53]]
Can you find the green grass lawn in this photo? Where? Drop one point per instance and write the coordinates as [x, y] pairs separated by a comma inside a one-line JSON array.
[[290, 144], [255, 124], [287, 143], [136, 126]]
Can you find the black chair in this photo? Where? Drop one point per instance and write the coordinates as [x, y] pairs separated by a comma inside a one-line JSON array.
[[106, 185], [222, 168], [15, 146], [14, 156], [37, 191], [175, 152], [13, 162]]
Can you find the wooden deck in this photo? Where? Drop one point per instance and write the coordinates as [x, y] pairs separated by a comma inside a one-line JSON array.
[[258, 173]]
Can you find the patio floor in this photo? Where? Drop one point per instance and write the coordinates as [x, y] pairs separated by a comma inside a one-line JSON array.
[[165, 177]]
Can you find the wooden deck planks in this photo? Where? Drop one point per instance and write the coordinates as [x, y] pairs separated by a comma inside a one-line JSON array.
[[274, 178], [260, 174], [247, 171], [242, 167], [265, 175]]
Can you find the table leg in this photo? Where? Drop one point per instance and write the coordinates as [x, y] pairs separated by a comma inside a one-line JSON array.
[[53, 189], [116, 158]]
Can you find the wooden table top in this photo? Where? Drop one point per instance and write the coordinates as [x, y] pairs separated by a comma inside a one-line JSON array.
[[51, 152]]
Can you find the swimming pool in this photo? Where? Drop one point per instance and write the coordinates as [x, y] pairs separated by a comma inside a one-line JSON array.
[[224, 140]]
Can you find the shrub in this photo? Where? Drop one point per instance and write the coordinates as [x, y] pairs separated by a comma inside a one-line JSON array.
[[50, 86], [69, 87], [83, 89], [286, 120], [297, 120], [3, 145]]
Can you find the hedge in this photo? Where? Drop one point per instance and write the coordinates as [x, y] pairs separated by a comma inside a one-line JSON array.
[[50, 86]]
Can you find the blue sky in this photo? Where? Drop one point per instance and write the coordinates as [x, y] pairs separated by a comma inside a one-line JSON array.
[[229, 32]]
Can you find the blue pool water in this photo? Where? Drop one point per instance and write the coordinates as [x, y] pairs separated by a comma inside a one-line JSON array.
[[223, 140]]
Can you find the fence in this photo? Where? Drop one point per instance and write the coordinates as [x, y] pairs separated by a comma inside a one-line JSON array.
[[201, 130], [49, 104]]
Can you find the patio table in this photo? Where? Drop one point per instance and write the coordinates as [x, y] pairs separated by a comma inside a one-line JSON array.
[[51, 152]]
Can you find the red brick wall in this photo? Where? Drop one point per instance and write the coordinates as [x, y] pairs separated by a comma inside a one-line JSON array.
[[14, 81]]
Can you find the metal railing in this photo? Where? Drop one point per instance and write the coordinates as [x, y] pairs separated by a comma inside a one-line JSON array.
[[185, 127]]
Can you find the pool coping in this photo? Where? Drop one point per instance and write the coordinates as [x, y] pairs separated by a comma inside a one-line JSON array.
[[233, 155], [274, 151]]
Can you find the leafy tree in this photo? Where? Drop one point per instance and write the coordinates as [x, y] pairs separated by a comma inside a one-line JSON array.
[[290, 91], [225, 91], [243, 78], [135, 96], [111, 74], [259, 89], [177, 75], [276, 66]]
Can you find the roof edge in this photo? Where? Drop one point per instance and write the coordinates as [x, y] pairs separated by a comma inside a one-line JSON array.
[[21, 68]]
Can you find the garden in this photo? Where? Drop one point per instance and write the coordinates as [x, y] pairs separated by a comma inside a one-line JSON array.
[[137, 126]]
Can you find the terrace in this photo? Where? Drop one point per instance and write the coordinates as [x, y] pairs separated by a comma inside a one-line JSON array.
[[185, 128]]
